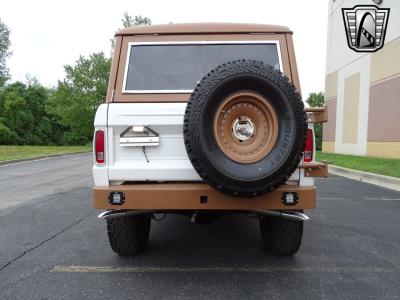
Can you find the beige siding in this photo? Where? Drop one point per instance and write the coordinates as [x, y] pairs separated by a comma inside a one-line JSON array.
[[328, 147], [331, 82], [384, 149], [330, 126], [386, 62], [350, 109]]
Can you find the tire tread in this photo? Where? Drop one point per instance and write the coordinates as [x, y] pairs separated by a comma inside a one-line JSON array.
[[191, 126], [129, 235], [281, 237]]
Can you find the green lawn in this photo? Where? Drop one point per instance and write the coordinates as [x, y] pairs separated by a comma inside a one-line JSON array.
[[383, 166], [16, 152]]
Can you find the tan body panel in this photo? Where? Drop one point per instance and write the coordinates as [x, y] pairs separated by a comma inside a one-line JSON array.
[[201, 28], [315, 169], [118, 73], [175, 196], [317, 114], [114, 69]]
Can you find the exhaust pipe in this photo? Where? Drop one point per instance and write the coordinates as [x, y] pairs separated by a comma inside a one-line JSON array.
[[112, 214], [289, 215]]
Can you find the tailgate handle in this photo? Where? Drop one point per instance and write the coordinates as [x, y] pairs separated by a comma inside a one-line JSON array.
[[139, 136]]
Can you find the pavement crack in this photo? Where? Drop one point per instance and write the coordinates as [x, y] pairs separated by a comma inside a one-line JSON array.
[[44, 241]]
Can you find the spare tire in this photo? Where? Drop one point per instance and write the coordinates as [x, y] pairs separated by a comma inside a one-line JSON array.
[[245, 128]]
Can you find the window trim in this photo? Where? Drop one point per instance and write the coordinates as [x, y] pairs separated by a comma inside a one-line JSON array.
[[130, 44]]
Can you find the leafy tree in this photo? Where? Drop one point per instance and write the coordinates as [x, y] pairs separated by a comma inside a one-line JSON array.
[[314, 100], [4, 53], [23, 118], [76, 98], [7, 136], [45, 132], [18, 116], [129, 21]]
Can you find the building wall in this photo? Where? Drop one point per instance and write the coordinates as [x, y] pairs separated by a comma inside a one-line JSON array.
[[362, 90]]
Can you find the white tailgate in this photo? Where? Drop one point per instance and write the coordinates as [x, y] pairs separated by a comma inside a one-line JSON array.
[[166, 162]]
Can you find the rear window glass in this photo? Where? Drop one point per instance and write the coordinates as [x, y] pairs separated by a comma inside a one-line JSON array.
[[179, 67]]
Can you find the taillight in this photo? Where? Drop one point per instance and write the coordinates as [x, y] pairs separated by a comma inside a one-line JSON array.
[[308, 150], [99, 146]]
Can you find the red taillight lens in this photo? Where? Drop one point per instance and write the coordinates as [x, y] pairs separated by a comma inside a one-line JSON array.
[[99, 146], [308, 150]]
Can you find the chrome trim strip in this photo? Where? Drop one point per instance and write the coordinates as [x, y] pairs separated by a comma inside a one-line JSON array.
[[112, 214], [125, 91], [139, 136], [289, 215]]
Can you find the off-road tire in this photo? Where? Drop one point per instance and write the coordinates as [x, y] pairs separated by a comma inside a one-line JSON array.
[[230, 176], [281, 237], [129, 235]]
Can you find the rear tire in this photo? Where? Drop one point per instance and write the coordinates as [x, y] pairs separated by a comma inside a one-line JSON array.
[[129, 235], [245, 128], [281, 237]]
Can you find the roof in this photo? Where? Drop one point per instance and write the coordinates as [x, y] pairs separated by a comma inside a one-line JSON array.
[[200, 28]]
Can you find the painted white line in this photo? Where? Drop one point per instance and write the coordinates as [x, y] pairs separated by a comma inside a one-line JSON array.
[[108, 269], [365, 198], [43, 158], [330, 178], [382, 199]]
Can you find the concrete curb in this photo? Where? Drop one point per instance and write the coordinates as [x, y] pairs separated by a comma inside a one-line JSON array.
[[21, 160], [380, 180]]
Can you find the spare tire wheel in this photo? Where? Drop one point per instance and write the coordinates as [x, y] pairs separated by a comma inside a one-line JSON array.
[[245, 128]]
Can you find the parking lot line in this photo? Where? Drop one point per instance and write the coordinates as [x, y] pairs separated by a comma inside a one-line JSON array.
[[365, 198], [382, 199], [109, 269]]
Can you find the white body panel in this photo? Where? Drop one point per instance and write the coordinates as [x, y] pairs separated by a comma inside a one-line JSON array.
[[100, 173], [303, 180], [166, 162]]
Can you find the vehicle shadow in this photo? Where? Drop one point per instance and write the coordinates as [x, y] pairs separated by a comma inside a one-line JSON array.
[[232, 241]]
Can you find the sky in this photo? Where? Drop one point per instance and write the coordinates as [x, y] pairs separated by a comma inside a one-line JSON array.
[[46, 35]]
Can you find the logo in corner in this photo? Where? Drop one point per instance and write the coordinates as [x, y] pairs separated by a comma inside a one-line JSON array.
[[365, 27]]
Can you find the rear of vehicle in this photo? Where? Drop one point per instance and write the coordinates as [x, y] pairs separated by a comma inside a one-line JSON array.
[[203, 120]]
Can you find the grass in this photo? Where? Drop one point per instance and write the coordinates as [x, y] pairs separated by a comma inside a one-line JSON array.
[[382, 166], [17, 152]]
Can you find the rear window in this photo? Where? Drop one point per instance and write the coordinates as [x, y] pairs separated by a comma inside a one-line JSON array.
[[178, 68]]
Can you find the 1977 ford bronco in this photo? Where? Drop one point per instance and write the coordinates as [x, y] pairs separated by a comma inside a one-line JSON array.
[[205, 120]]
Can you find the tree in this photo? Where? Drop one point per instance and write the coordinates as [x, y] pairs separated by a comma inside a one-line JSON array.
[[23, 118], [129, 21], [7, 136], [45, 132], [76, 98], [4, 52], [314, 100], [18, 116]]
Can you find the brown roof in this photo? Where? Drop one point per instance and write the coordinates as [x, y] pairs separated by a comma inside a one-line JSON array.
[[199, 28]]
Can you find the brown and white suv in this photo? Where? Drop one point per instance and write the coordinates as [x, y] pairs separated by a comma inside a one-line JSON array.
[[205, 120]]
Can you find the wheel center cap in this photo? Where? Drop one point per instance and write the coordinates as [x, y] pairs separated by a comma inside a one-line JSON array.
[[243, 128]]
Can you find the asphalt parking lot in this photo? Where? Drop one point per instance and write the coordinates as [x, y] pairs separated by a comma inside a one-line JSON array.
[[53, 246]]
